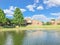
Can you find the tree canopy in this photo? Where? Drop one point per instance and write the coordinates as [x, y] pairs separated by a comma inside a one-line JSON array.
[[18, 17], [2, 16]]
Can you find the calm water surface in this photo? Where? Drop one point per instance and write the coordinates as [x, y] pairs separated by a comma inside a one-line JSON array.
[[35, 37]]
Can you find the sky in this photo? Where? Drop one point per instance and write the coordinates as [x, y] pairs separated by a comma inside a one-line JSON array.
[[42, 10]]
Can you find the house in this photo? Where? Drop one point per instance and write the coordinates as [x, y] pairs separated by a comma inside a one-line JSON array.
[[58, 21], [33, 22], [36, 22], [28, 21], [55, 22]]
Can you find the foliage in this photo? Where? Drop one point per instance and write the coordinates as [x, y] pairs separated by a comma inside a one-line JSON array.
[[2, 16], [48, 23], [43, 23], [18, 17]]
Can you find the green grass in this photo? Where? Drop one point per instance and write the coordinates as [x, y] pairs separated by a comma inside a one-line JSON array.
[[33, 27]]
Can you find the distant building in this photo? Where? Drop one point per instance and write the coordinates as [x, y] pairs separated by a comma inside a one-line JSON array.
[[28, 21], [33, 22], [58, 21], [55, 22]]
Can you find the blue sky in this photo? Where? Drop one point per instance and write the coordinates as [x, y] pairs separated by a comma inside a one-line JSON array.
[[42, 10]]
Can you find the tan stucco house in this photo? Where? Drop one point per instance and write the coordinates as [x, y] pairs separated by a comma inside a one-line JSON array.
[[33, 22]]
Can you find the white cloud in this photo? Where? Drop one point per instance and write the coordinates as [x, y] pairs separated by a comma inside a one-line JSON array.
[[31, 7], [39, 17], [40, 8], [9, 15], [34, 6], [36, 1], [28, 17], [10, 10], [51, 3], [56, 14], [23, 10]]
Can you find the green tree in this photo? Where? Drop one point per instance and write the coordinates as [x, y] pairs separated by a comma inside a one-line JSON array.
[[18, 17], [48, 23], [8, 21], [2, 17]]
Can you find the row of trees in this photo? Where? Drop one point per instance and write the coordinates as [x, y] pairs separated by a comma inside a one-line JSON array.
[[17, 19]]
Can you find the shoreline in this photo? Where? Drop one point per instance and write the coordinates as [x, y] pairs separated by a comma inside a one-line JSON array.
[[20, 29], [31, 27]]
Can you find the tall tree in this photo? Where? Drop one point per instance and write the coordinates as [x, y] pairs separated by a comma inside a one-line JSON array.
[[2, 17], [18, 17]]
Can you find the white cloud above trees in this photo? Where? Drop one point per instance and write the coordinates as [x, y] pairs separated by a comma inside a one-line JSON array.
[[48, 4], [56, 14], [34, 6], [31, 7], [10, 10], [40, 8], [36, 1], [51, 3], [39, 17], [23, 10]]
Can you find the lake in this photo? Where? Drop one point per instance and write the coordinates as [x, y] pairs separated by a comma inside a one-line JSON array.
[[30, 37]]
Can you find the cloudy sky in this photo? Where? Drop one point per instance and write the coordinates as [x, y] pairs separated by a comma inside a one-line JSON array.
[[42, 10]]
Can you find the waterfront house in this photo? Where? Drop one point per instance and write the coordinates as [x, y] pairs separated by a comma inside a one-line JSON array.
[[33, 22], [36, 22]]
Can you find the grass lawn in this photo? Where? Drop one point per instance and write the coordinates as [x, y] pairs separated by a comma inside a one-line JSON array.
[[33, 27]]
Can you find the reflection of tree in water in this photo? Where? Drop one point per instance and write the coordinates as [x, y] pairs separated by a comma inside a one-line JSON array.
[[18, 38], [2, 38]]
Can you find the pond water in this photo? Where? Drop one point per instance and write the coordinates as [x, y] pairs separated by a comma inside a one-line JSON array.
[[29, 37]]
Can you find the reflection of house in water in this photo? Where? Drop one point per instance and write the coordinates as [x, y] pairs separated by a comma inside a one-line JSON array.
[[32, 22]]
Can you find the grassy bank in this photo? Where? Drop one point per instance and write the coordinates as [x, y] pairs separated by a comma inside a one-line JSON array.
[[33, 27]]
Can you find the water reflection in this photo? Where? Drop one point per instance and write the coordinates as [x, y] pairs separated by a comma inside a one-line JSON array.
[[18, 38], [9, 40], [29, 37], [42, 38], [2, 38]]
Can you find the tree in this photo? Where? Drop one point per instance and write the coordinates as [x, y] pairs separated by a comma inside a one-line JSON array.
[[2, 17], [48, 23], [8, 21], [18, 17]]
